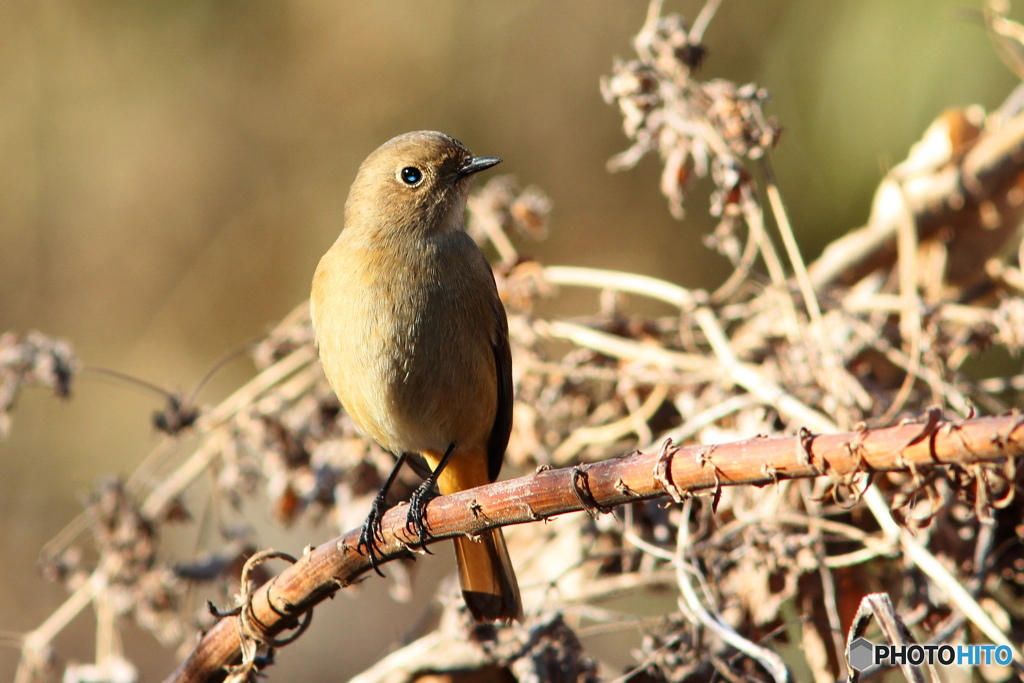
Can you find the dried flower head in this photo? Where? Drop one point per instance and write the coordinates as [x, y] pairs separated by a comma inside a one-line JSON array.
[[697, 127], [34, 358]]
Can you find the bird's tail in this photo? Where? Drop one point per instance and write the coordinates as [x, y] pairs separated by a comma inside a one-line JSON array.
[[488, 581]]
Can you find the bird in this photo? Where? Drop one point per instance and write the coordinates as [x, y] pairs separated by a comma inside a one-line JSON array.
[[413, 338]]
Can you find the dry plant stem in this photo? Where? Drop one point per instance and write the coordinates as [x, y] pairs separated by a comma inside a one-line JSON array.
[[612, 431], [956, 400], [906, 248], [685, 299], [828, 585], [691, 604], [938, 573], [437, 651], [803, 280], [879, 606], [319, 574], [931, 566], [496, 234], [642, 376], [618, 347], [996, 384], [209, 428], [36, 641], [612, 587], [830, 372], [754, 217], [653, 12], [920, 556], [646, 546], [610, 621], [778, 295], [740, 273], [641, 413], [987, 171], [1010, 277], [210, 425], [910, 309], [700, 24], [710, 416], [983, 546], [750, 379], [873, 545], [615, 346]]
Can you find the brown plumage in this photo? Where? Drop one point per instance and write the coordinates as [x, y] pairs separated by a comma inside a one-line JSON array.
[[413, 337]]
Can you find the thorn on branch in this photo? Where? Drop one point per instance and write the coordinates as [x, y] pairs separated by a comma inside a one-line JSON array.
[[704, 458], [218, 615], [932, 420], [251, 631], [806, 439], [663, 472], [848, 483], [581, 487], [855, 447]]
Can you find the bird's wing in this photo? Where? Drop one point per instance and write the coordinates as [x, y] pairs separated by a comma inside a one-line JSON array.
[[503, 373]]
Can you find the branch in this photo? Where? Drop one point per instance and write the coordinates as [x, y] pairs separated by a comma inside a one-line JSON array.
[[939, 195], [277, 605]]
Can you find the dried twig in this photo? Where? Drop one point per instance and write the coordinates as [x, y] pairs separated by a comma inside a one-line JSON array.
[[335, 564]]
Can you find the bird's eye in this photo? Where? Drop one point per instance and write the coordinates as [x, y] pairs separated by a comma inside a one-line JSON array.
[[411, 175]]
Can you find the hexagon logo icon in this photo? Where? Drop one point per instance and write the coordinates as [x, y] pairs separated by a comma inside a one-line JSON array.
[[862, 654]]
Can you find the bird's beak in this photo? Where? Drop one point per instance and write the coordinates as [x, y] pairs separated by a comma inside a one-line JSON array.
[[477, 164]]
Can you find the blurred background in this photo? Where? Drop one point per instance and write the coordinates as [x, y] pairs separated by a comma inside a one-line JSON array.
[[171, 172]]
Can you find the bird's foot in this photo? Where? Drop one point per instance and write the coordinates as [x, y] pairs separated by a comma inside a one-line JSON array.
[[371, 534], [416, 522]]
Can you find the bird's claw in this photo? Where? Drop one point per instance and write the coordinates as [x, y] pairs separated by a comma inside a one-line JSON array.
[[416, 522], [371, 534]]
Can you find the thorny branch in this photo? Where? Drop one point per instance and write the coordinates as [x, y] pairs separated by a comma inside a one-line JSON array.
[[759, 462]]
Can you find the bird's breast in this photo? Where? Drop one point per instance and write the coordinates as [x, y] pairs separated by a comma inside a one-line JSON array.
[[405, 339]]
